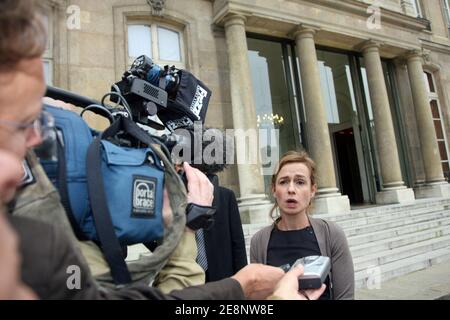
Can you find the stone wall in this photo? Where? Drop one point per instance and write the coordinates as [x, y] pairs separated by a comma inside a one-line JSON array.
[[89, 60]]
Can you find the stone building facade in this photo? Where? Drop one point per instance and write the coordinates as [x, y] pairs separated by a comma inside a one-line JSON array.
[[361, 84]]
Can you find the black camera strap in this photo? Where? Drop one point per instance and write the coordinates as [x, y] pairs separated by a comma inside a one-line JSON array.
[[102, 219], [103, 223]]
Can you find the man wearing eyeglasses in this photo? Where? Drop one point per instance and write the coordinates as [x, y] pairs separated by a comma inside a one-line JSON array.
[[21, 127], [45, 248]]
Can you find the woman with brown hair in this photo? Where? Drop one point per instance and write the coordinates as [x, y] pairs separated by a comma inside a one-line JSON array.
[[295, 234]]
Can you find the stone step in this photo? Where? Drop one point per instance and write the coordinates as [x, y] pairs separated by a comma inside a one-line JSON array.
[[387, 245], [395, 223], [384, 242], [370, 215], [391, 240], [399, 241], [250, 229], [358, 222], [387, 209], [388, 256], [369, 278], [394, 232]]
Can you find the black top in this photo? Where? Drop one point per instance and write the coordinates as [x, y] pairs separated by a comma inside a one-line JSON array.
[[285, 247], [224, 241]]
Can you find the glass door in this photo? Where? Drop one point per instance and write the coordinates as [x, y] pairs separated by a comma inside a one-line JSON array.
[[343, 116], [275, 94]]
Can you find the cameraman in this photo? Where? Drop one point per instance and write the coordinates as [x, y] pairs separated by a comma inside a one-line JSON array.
[[221, 246], [179, 271], [45, 262]]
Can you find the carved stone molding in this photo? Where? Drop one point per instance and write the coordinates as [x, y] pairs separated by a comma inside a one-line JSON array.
[[157, 6]]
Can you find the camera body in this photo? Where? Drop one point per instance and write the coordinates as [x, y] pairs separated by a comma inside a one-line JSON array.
[[176, 96], [316, 271]]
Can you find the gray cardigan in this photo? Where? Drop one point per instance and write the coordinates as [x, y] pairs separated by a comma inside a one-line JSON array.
[[332, 243]]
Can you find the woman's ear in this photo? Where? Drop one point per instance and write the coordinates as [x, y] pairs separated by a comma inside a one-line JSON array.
[[313, 190]]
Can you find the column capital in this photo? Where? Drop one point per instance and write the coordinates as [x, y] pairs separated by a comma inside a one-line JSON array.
[[413, 54], [369, 45], [423, 55], [400, 62], [304, 31], [234, 18]]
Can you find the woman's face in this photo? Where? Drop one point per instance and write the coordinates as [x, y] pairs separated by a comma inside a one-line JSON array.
[[293, 190]]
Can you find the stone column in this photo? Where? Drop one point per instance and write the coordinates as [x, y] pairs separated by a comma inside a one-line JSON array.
[[328, 199], [394, 190], [253, 203], [435, 184]]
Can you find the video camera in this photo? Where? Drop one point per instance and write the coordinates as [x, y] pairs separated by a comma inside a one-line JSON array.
[[111, 183], [176, 96]]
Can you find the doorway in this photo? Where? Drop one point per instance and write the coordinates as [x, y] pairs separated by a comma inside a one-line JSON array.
[[347, 162], [343, 111]]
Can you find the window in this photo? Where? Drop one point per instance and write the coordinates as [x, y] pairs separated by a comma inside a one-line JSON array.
[[163, 44], [48, 54], [446, 4], [438, 123], [139, 41], [417, 9]]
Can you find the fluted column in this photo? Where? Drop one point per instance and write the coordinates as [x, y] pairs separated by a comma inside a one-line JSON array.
[[329, 198], [427, 134], [384, 129], [251, 182]]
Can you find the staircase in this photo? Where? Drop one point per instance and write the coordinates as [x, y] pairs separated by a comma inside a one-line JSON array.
[[390, 241]]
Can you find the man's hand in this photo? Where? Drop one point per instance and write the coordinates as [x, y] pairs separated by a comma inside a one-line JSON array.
[[60, 104], [10, 176], [200, 190], [258, 281], [287, 288], [94, 120]]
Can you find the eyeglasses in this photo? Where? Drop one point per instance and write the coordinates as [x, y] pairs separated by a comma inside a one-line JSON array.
[[42, 125]]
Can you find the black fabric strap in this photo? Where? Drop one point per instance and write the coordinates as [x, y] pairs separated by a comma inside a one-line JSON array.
[[126, 125], [199, 217], [103, 224], [110, 244], [63, 189]]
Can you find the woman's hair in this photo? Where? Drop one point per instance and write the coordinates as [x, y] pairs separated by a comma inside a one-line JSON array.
[[22, 32], [292, 157]]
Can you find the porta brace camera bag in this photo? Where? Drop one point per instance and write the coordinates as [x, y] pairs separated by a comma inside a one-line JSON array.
[[112, 194]]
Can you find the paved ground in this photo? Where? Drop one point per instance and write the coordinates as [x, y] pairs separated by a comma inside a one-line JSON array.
[[430, 284]]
